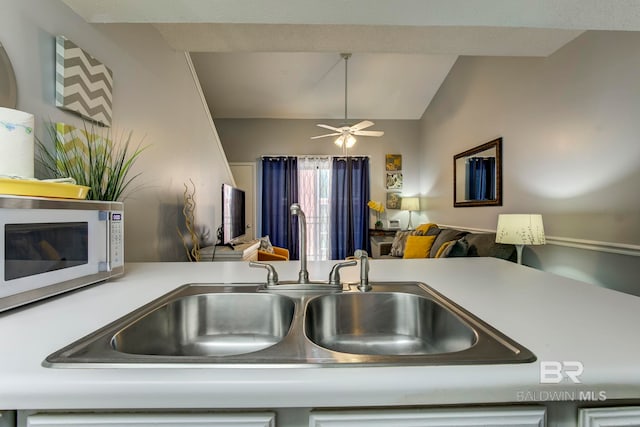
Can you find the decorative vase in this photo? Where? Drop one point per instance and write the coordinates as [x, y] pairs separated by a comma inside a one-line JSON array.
[[378, 225]]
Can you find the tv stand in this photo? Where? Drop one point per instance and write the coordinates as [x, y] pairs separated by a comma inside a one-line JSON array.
[[240, 252]]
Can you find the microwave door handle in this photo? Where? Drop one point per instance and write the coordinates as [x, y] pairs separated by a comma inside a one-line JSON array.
[[106, 264]]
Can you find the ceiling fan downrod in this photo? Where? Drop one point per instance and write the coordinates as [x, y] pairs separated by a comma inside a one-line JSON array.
[[346, 57]]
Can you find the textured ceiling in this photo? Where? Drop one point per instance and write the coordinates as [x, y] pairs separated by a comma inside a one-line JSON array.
[[279, 58]]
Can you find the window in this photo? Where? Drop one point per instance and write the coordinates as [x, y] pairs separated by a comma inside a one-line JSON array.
[[314, 189], [333, 193]]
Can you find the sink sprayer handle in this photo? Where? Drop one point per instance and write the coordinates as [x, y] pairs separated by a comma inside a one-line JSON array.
[[364, 270], [272, 275]]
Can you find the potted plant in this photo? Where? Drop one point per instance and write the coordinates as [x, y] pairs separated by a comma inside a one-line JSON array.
[[92, 158], [378, 209]]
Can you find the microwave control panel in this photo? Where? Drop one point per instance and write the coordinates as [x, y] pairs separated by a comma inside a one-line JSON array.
[[116, 221]]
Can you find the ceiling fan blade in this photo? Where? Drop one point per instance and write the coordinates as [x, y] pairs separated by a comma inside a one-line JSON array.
[[323, 136], [362, 125], [369, 133], [329, 127]]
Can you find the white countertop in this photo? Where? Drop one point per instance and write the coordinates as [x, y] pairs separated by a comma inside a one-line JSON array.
[[558, 319]]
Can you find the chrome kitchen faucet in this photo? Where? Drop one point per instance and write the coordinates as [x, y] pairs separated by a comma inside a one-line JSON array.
[[296, 210], [303, 282]]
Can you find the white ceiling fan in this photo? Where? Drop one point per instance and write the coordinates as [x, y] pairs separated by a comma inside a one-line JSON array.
[[346, 134]]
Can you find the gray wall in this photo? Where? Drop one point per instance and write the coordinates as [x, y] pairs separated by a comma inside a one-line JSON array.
[[154, 95], [570, 124], [245, 140]]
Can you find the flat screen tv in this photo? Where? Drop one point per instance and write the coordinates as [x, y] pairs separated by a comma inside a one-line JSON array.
[[233, 217]]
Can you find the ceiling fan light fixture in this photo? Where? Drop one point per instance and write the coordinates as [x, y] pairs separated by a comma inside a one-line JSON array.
[[345, 141], [351, 141]]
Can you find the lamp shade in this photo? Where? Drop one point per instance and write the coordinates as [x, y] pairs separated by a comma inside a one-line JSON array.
[[520, 229], [410, 204]]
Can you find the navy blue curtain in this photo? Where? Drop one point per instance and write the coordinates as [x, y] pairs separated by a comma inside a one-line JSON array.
[[349, 211], [279, 191], [481, 178]]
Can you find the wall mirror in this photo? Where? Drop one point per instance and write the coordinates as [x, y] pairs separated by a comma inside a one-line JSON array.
[[8, 87], [477, 176]]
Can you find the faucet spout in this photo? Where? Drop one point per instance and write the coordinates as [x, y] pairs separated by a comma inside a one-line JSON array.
[[296, 210]]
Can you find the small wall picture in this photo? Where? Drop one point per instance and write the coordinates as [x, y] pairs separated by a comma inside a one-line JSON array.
[[394, 180], [394, 162], [393, 200]]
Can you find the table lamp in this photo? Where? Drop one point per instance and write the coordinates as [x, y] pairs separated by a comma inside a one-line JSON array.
[[410, 204], [520, 230]]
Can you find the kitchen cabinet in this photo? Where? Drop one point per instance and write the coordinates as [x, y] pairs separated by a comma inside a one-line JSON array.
[[507, 416], [248, 419], [628, 416], [512, 416]]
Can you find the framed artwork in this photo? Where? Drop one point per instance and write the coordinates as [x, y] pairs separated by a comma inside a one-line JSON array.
[[394, 180], [477, 176], [393, 200], [393, 162], [84, 85]]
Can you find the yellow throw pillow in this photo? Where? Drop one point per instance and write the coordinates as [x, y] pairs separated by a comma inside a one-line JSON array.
[[418, 246], [443, 248]]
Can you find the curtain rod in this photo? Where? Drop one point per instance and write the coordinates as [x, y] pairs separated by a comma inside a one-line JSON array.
[[310, 155]]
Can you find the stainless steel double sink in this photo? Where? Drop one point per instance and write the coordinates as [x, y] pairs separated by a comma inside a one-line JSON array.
[[244, 325]]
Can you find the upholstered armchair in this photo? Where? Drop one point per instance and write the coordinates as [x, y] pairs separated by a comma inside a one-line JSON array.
[[279, 254]]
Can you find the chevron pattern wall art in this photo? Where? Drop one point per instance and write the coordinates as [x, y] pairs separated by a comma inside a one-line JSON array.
[[73, 147], [83, 84]]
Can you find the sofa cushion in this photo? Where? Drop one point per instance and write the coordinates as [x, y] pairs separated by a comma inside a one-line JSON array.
[[445, 235], [457, 248], [484, 245], [418, 246], [400, 241], [445, 249], [433, 231]]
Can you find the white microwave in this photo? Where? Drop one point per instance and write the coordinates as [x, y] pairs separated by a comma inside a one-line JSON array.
[[50, 246]]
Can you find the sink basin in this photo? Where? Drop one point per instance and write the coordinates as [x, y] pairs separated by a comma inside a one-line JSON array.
[[388, 323], [244, 325], [209, 325]]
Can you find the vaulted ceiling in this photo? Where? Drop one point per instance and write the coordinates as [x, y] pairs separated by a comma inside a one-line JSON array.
[[280, 58]]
